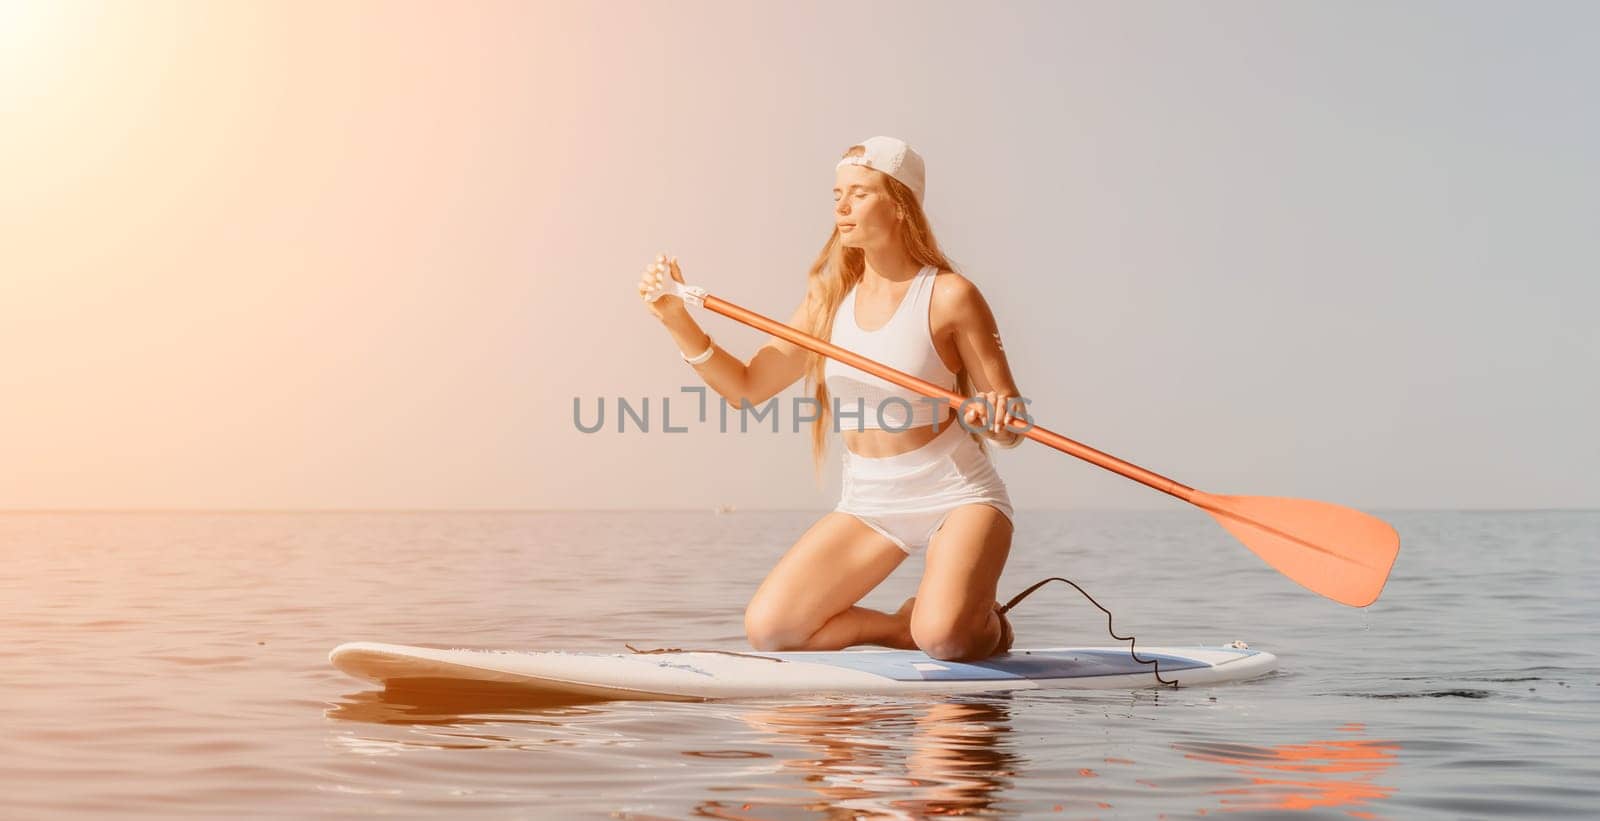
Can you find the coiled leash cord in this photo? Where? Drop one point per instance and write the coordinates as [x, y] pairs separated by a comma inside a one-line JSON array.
[[1132, 642]]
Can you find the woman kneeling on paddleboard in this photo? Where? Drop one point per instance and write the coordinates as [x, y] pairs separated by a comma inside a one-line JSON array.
[[915, 477]]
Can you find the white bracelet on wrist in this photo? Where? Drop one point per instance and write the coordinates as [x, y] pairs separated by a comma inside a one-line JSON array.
[[711, 346]]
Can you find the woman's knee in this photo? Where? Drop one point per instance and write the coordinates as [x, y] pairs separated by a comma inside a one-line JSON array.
[[768, 629]]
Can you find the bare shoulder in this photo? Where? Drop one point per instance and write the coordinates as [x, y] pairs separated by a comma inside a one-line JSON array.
[[954, 298]]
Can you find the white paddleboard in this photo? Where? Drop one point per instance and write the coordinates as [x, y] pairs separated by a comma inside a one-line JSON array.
[[690, 675]]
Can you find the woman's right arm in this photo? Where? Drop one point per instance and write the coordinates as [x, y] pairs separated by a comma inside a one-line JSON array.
[[774, 367]]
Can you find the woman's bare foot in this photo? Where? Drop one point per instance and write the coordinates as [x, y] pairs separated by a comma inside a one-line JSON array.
[[1006, 634], [903, 618]]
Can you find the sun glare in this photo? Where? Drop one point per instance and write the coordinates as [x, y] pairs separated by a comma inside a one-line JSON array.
[[31, 43]]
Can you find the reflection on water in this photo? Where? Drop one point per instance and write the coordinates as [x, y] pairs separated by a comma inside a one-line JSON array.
[[890, 760], [446, 720], [1314, 775], [444, 705], [887, 758]]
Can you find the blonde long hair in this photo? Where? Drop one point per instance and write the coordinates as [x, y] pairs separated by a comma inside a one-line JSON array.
[[834, 272]]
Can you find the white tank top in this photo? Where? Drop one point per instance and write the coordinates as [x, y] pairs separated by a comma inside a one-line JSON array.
[[904, 343]]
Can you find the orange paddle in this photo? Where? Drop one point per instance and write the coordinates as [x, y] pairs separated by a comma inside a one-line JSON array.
[[1336, 551]]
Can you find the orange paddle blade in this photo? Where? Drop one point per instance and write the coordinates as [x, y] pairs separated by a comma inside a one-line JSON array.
[[1341, 553]]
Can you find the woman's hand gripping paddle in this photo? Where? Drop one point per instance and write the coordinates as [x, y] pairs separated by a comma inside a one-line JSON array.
[[1341, 553]]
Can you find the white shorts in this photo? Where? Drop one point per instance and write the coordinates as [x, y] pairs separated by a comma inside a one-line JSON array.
[[907, 496]]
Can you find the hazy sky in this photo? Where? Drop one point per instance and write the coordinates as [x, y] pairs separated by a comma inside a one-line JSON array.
[[336, 255]]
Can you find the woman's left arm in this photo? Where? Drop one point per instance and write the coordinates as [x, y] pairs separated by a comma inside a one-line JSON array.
[[977, 338]]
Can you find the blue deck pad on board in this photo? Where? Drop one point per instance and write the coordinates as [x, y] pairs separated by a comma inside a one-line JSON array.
[[915, 665]]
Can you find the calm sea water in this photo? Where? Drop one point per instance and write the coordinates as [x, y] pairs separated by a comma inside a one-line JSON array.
[[176, 664]]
